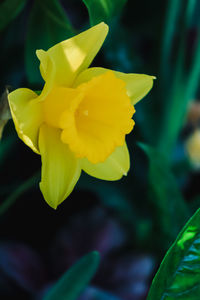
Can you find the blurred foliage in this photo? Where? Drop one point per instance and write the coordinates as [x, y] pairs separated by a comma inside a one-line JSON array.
[[103, 10], [165, 197], [9, 10], [161, 191]]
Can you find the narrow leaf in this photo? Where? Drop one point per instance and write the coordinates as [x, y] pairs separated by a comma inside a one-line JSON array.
[[165, 196], [194, 73], [103, 10], [73, 282], [182, 89], [172, 13], [179, 274]]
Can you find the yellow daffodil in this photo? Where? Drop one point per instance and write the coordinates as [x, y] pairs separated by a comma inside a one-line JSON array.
[[80, 119]]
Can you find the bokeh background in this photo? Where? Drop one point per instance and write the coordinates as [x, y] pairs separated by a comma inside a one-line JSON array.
[[131, 222]]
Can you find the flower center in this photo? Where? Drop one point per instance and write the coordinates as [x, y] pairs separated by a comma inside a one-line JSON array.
[[94, 117]]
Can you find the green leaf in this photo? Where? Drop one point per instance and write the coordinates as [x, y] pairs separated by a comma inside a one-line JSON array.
[[9, 9], [165, 197], [73, 282], [170, 27], [194, 73], [48, 25], [103, 10], [179, 274]]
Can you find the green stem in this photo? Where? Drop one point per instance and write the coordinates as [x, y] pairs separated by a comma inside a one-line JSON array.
[[194, 74], [168, 34], [10, 200], [176, 104]]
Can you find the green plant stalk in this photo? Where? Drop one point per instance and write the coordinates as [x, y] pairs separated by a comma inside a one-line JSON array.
[[167, 37], [172, 14], [10, 200], [174, 110], [178, 97], [194, 75]]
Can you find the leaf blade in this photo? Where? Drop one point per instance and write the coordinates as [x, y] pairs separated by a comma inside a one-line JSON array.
[[165, 196], [179, 274], [72, 283]]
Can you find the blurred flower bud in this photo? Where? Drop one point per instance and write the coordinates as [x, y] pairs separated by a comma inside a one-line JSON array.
[[193, 116], [193, 148]]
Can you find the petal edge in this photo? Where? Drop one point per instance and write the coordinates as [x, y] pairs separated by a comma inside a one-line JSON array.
[[113, 168], [68, 58], [27, 116], [137, 85]]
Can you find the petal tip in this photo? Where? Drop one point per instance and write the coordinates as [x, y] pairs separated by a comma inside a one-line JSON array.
[[104, 27], [51, 203], [40, 54]]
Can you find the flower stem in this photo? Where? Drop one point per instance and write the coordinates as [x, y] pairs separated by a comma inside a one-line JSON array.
[[177, 98]]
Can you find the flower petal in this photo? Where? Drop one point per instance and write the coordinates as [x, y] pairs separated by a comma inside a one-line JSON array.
[[61, 63], [60, 169], [113, 168], [27, 116], [137, 85]]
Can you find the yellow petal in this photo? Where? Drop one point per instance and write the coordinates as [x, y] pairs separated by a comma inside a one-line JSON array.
[[61, 63], [113, 168], [60, 169], [27, 116], [137, 85]]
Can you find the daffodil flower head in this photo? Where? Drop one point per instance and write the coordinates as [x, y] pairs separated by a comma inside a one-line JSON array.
[[80, 119]]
